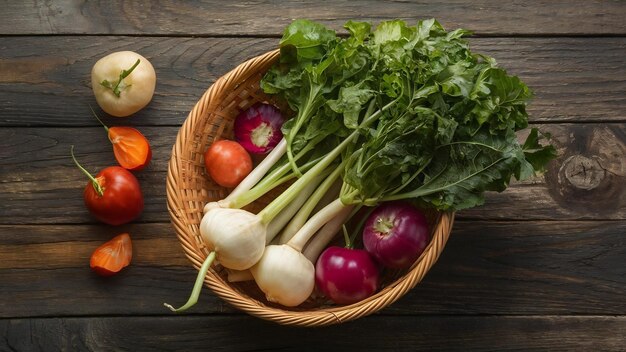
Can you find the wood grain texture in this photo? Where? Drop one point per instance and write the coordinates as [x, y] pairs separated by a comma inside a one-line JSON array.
[[541, 266], [504, 267], [265, 18], [584, 182], [36, 172], [199, 333], [45, 81]]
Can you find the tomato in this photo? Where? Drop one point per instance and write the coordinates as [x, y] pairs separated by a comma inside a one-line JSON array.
[[112, 256], [123, 83], [227, 163], [113, 196], [130, 147], [116, 199]]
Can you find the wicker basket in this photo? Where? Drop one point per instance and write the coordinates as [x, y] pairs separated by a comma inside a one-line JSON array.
[[189, 189]]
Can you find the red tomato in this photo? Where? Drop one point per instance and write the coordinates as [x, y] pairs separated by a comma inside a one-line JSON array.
[[227, 162], [121, 200], [132, 150], [112, 256], [130, 147]]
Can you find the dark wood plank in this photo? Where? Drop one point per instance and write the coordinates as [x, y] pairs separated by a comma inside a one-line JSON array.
[[238, 333], [45, 81], [504, 267], [508, 280], [36, 172], [46, 270], [211, 17], [584, 182], [540, 267]]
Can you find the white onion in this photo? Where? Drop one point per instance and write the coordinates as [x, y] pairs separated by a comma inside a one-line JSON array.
[[285, 275], [237, 236]]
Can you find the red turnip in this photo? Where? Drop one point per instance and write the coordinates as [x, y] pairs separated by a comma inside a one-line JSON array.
[[257, 129], [346, 275], [395, 234]]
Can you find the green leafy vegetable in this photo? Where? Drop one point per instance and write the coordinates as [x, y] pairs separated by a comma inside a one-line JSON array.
[[428, 120]]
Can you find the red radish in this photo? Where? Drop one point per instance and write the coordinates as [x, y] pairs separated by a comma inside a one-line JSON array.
[[346, 275], [258, 128], [396, 233]]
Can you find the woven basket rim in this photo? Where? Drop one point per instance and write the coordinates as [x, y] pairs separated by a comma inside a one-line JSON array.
[[195, 253]]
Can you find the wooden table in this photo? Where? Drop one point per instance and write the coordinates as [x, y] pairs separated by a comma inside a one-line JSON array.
[[540, 266]]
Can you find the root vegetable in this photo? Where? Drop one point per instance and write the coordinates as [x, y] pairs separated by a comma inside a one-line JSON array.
[[257, 129], [123, 83], [396, 234]]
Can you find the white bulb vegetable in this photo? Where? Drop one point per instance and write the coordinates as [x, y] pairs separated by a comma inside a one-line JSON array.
[[237, 236]]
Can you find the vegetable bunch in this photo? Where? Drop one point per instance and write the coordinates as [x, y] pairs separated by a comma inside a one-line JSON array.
[[393, 113], [447, 116], [123, 83]]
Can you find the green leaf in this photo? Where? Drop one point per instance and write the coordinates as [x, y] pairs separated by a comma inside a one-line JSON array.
[[310, 40], [441, 119], [429, 27], [391, 31], [351, 101], [500, 100], [118, 87], [392, 85], [446, 128], [106, 84], [359, 31], [537, 156], [458, 33], [462, 171], [398, 148]]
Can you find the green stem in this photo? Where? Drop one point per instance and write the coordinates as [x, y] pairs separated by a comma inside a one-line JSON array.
[[197, 287], [259, 171], [415, 174], [346, 238], [279, 222], [371, 118], [97, 118], [370, 108], [116, 88], [424, 190], [275, 178], [317, 221], [272, 209], [359, 226], [271, 178], [241, 197], [303, 214], [258, 192], [326, 234], [94, 182], [471, 143], [301, 118]]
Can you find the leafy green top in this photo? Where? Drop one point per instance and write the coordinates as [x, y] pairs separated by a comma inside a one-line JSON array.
[[436, 122]]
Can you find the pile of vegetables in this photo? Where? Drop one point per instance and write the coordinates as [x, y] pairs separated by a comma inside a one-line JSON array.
[[387, 122], [123, 83]]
